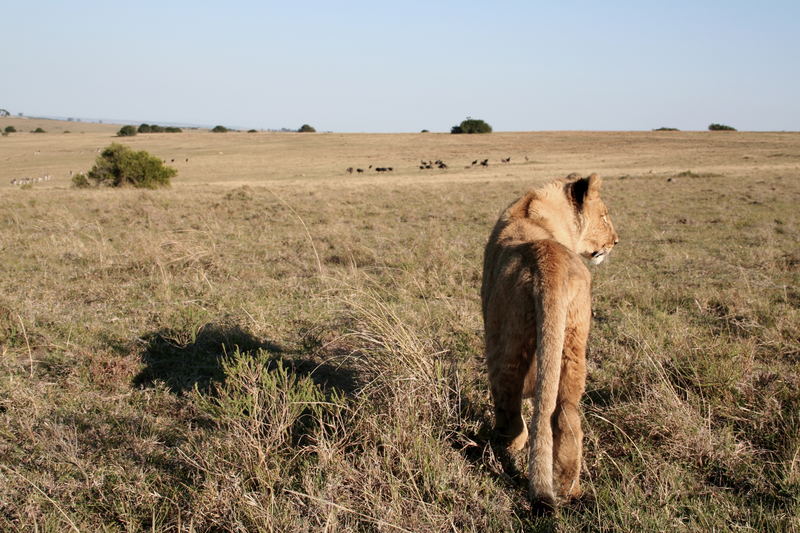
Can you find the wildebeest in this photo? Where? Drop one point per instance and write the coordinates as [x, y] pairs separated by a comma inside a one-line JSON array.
[[359, 170], [349, 170], [485, 163]]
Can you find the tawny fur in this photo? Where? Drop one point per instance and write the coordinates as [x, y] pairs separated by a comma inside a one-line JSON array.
[[536, 299]]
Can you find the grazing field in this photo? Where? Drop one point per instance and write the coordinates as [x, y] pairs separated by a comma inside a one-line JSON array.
[[274, 344]]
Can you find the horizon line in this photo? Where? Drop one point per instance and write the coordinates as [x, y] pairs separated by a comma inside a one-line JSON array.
[[126, 122]]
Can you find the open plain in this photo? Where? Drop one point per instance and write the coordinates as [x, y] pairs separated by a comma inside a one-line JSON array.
[[275, 344]]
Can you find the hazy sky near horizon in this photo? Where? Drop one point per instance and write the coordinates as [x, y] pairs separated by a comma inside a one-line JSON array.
[[403, 66]]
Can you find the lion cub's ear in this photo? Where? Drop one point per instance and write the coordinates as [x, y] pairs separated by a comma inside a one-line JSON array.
[[583, 189], [594, 185]]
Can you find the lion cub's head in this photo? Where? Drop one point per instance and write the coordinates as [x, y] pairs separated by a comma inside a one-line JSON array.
[[597, 236]]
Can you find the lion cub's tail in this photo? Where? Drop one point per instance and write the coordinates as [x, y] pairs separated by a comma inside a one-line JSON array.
[[551, 324]]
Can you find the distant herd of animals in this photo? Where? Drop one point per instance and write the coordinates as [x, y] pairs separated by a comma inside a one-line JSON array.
[[423, 165], [29, 180], [428, 165], [377, 169], [47, 177]]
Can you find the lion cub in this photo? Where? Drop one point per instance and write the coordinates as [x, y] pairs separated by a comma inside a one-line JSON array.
[[536, 299]]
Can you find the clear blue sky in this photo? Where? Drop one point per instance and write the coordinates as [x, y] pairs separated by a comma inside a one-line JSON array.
[[403, 66]]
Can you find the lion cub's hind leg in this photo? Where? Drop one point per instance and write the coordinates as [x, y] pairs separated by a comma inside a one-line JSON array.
[[507, 371], [567, 433]]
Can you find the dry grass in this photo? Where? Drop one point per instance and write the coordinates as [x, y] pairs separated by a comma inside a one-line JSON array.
[[256, 349]]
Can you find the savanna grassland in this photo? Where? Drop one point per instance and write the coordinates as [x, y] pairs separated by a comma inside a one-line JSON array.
[[273, 344]]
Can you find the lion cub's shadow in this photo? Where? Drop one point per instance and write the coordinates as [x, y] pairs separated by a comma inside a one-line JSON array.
[[185, 364]]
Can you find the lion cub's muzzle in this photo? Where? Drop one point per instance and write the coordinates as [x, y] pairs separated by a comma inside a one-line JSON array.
[[600, 255]]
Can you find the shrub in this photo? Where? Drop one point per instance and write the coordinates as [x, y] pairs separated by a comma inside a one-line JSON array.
[[720, 127], [305, 128], [664, 128], [252, 131], [155, 128], [10, 129], [38, 130], [472, 125], [425, 131], [80, 181], [126, 131], [219, 129], [119, 166]]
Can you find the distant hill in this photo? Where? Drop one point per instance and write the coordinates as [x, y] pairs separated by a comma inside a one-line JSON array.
[[27, 124]]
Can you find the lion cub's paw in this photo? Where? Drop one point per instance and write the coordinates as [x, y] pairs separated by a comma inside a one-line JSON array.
[[515, 434], [515, 444]]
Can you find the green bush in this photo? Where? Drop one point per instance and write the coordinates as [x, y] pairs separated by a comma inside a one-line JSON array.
[[664, 128], [305, 128], [38, 130], [126, 131], [81, 181], [155, 128], [425, 131], [720, 127], [252, 131], [119, 166], [472, 125], [219, 129], [10, 129]]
